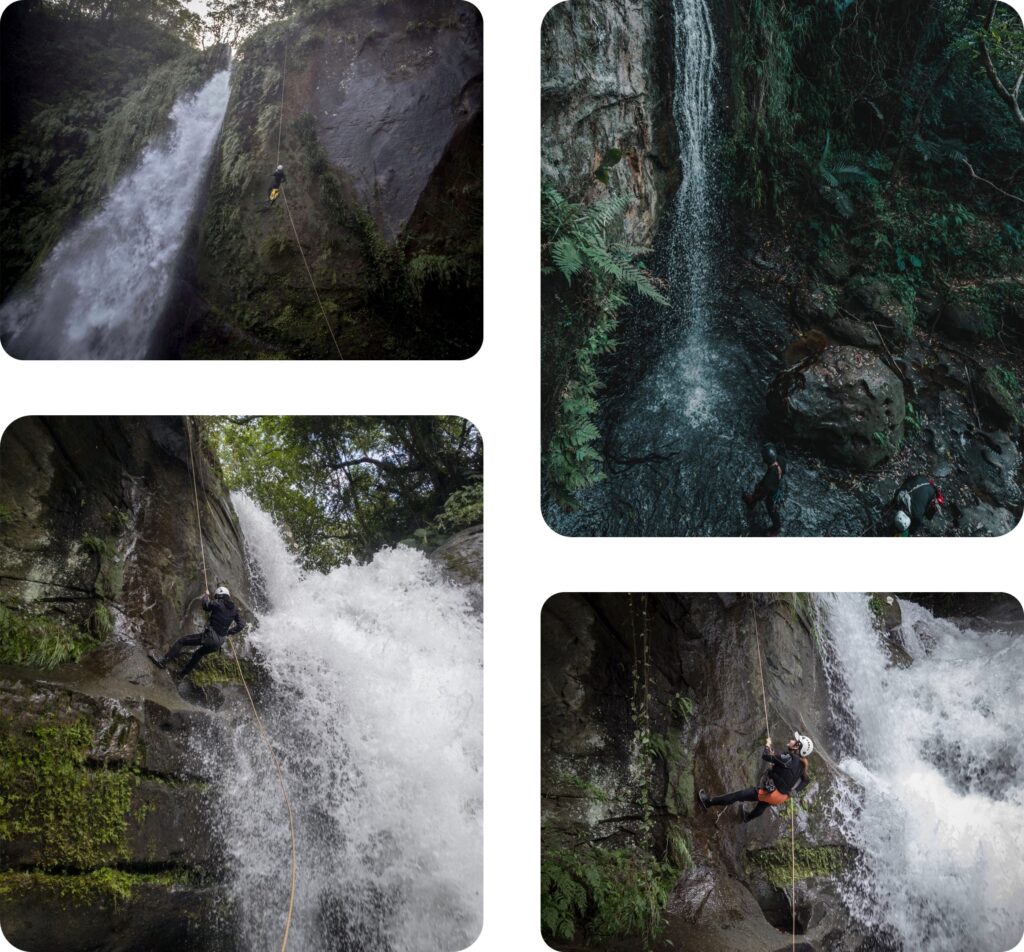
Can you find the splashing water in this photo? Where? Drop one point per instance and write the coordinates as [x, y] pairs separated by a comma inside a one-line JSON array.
[[935, 760], [102, 291], [375, 707]]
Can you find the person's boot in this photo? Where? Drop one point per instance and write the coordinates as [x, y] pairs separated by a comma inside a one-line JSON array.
[[705, 800]]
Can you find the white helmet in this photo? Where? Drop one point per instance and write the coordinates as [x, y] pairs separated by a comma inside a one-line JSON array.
[[222, 591], [280, 168], [806, 744], [902, 521]]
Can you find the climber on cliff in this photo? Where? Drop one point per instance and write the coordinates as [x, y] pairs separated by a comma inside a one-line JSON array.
[[275, 185], [769, 489], [918, 499], [225, 620], [786, 775]]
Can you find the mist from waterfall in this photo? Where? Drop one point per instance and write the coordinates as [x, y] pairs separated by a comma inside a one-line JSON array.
[[374, 700], [103, 289], [933, 796]]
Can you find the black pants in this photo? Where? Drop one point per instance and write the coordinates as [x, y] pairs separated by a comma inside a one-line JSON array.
[[204, 639], [742, 796], [771, 505]]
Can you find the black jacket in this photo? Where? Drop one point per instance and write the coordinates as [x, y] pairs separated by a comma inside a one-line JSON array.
[[923, 496], [770, 483], [222, 614], [279, 177], [786, 770]]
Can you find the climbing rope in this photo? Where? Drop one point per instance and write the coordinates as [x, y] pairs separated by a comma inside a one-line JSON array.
[[792, 804], [760, 668], [280, 131], [248, 693], [792, 861]]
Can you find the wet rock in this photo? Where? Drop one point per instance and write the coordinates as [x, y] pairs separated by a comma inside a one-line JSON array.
[[961, 319], [389, 105], [986, 520], [992, 461], [815, 305], [608, 73], [168, 738], [887, 611], [155, 916], [846, 405], [837, 265], [877, 301], [848, 330], [462, 559], [999, 396]]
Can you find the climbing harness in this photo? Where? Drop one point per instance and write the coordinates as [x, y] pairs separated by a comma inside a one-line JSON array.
[[773, 795], [273, 196], [280, 189], [259, 722]]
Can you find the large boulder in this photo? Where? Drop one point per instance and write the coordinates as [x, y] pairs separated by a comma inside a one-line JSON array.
[[1000, 397], [845, 404]]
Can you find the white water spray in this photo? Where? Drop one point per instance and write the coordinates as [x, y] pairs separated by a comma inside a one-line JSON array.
[[375, 707], [935, 800], [691, 257], [102, 291]]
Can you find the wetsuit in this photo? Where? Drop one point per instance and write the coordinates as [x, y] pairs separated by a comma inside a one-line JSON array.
[[770, 490], [279, 177], [785, 775], [223, 614], [924, 499]]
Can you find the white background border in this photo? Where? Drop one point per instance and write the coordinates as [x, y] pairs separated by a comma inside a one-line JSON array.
[[525, 562]]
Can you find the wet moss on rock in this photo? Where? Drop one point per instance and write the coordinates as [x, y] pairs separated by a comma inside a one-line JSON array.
[[78, 814], [45, 641], [776, 863], [104, 885]]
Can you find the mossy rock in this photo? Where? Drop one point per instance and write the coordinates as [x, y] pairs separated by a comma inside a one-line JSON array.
[[775, 864]]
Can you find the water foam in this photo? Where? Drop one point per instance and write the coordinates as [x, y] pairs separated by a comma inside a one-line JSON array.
[[375, 705], [101, 292], [934, 801]]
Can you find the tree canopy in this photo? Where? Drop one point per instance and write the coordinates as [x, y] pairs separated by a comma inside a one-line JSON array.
[[343, 487]]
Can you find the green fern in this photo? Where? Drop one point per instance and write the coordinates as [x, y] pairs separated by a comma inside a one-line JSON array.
[[601, 275]]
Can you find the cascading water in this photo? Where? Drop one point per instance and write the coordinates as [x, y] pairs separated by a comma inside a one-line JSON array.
[[934, 761], [374, 702], [102, 291], [684, 412]]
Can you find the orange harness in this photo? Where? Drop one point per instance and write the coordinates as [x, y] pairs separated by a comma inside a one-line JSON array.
[[774, 798]]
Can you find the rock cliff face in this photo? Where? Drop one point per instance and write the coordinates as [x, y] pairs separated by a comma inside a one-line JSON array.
[[608, 76], [660, 695], [381, 141], [105, 828]]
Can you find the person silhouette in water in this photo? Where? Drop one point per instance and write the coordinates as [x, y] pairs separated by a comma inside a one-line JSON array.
[[786, 775], [225, 620], [769, 489], [275, 185]]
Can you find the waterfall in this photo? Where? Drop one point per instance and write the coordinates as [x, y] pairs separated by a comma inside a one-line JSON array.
[[691, 254], [374, 701], [934, 800], [102, 290]]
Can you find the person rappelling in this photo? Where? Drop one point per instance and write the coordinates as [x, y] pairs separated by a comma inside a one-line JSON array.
[[917, 500], [786, 775], [225, 620], [279, 178], [769, 489]]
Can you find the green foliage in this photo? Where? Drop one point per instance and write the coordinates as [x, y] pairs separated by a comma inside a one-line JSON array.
[[346, 486], [78, 814], [106, 885], [462, 509], [599, 275], [683, 706], [911, 422], [610, 892], [45, 641], [776, 863]]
